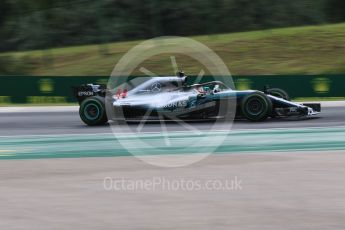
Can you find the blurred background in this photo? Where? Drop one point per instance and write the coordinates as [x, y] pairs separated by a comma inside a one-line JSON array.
[[86, 37]]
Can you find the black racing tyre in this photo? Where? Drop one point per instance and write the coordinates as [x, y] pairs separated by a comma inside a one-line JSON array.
[[92, 111], [256, 107], [279, 93]]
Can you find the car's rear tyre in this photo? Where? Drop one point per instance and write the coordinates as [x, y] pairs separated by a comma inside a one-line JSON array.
[[256, 107], [92, 111], [279, 93]]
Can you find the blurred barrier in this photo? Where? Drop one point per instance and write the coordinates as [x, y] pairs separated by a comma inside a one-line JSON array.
[[54, 89]]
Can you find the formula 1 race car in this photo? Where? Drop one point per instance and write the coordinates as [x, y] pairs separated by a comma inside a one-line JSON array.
[[170, 98]]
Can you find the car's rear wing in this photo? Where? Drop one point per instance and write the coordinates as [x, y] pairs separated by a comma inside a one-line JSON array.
[[84, 91]]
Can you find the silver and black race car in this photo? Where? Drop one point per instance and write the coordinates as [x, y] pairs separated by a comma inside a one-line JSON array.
[[170, 98]]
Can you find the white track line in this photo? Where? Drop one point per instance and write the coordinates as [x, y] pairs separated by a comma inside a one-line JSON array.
[[327, 104], [39, 109]]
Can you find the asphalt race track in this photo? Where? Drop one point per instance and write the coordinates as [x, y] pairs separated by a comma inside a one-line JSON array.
[[56, 172], [68, 122]]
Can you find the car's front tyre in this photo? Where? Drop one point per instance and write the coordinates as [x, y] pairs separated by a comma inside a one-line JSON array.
[[92, 111], [256, 107]]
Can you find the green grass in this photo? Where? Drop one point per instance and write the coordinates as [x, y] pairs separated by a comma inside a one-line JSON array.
[[299, 50]]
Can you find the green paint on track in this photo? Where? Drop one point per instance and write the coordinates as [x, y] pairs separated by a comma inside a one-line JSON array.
[[107, 145]]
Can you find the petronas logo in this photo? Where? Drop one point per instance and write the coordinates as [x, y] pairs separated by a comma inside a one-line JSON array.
[[243, 84], [321, 85], [46, 85]]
